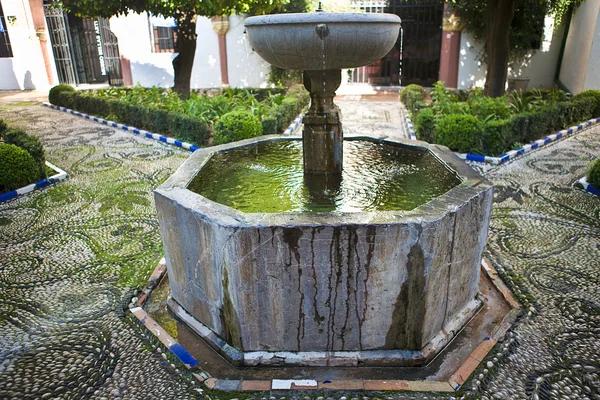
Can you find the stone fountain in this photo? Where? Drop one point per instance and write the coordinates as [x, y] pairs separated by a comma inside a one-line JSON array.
[[267, 281]]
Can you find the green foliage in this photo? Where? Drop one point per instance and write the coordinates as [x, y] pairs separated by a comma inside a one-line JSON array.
[[425, 125], [484, 107], [17, 168], [3, 128], [413, 96], [284, 77], [236, 126], [593, 96], [593, 176], [299, 91], [30, 144], [54, 93], [462, 133]]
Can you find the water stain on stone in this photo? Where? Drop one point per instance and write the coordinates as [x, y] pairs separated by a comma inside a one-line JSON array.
[[407, 318]]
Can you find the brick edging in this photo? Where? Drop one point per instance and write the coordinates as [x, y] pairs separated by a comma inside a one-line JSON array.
[[459, 377]]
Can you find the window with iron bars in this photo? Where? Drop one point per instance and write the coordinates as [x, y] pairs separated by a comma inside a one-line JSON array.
[[165, 39], [5, 48]]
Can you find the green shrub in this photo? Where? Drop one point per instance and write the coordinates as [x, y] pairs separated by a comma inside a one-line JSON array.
[[425, 125], [236, 125], [30, 144], [484, 107], [3, 128], [594, 97], [593, 176], [299, 91], [269, 125], [411, 96], [53, 95], [497, 137], [17, 168], [462, 133]]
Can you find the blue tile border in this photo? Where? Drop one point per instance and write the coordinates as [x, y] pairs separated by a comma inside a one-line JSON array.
[[293, 125], [13, 194], [131, 129], [583, 184], [531, 146], [409, 124]]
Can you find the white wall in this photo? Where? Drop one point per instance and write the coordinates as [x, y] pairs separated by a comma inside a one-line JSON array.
[[246, 68], [578, 47], [26, 69], [539, 66], [592, 76], [147, 68]]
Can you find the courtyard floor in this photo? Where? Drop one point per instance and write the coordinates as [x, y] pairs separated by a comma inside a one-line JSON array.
[[71, 254]]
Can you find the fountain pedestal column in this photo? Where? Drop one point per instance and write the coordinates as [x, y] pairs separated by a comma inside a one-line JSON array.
[[322, 135]]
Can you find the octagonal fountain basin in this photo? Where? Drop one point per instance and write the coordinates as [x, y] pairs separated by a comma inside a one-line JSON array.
[[379, 266], [322, 40]]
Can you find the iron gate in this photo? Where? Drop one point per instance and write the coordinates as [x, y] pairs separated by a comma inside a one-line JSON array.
[[416, 56], [85, 50]]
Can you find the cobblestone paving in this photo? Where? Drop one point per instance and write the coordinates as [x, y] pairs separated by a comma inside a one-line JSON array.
[[70, 254]]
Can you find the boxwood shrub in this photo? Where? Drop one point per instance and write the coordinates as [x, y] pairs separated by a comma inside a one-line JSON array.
[[460, 132], [236, 125], [30, 144], [425, 125], [53, 95], [594, 96], [17, 168], [188, 129], [593, 176]]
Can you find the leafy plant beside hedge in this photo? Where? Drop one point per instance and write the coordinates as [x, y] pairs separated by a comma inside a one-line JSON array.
[[236, 126], [159, 110], [593, 176], [505, 122]]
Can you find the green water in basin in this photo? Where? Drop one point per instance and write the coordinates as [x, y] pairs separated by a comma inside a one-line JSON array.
[[268, 177]]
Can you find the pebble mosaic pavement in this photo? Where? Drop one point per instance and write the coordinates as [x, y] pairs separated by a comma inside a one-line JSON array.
[[69, 256]]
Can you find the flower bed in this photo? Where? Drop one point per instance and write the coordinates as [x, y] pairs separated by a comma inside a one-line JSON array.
[[469, 122], [192, 120]]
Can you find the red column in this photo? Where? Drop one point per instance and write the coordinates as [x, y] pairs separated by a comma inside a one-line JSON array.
[[39, 24], [450, 52], [221, 27]]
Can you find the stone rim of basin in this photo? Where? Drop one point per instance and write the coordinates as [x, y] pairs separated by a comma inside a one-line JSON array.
[[472, 183], [322, 17]]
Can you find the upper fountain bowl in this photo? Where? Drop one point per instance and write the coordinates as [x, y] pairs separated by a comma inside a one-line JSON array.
[[323, 40]]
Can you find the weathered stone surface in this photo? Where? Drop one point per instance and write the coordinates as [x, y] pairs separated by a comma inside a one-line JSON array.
[[318, 41], [326, 282]]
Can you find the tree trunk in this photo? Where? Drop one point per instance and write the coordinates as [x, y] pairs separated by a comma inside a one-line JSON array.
[[499, 17], [186, 46]]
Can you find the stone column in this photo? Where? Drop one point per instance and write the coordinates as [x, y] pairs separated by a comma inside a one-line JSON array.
[[450, 53], [322, 135], [221, 27]]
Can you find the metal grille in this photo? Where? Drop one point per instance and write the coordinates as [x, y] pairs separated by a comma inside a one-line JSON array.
[[164, 39], [58, 27], [416, 56], [5, 48]]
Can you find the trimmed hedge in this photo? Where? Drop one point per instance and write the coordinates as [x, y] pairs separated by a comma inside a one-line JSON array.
[[237, 125], [460, 133], [593, 176], [412, 96], [593, 95], [425, 125], [172, 124], [281, 115], [54, 94], [17, 168], [30, 144], [501, 135]]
